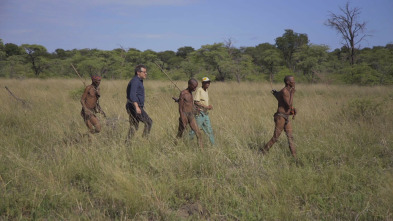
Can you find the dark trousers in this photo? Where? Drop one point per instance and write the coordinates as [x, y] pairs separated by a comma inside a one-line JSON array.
[[134, 120]]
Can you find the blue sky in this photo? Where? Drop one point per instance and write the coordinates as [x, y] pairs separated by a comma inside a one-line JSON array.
[[162, 25]]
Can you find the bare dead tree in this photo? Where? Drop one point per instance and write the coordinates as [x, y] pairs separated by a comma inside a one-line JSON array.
[[123, 54], [352, 31], [229, 45]]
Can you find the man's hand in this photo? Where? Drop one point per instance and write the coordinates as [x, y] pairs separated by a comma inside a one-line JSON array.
[[210, 107], [138, 110], [103, 113], [293, 112]]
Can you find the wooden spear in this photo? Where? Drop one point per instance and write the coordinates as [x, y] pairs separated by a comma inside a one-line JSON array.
[[78, 75]]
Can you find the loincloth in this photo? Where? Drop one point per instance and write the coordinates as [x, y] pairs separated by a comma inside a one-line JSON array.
[[190, 117], [285, 116], [87, 116]]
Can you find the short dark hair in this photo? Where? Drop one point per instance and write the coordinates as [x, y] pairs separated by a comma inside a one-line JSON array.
[[139, 67], [192, 81], [286, 78]]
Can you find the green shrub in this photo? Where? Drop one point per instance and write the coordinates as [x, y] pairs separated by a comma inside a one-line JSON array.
[[361, 74], [279, 77], [362, 108], [77, 93]]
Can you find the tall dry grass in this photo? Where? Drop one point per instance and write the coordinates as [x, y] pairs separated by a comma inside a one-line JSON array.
[[343, 134]]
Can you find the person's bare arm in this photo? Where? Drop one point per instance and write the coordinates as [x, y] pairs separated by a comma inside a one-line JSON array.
[[181, 107], [83, 100], [293, 110], [199, 104], [291, 93], [100, 109], [287, 99]]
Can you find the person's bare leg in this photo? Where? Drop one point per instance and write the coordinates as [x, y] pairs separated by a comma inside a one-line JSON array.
[[288, 131], [279, 126], [180, 129], [96, 124], [89, 126], [195, 128]]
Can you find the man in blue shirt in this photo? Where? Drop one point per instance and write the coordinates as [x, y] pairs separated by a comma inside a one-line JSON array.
[[136, 102]]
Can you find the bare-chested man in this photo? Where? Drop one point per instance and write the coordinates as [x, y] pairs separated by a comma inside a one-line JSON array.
[[90, 105], [186, 111], [281, 117]]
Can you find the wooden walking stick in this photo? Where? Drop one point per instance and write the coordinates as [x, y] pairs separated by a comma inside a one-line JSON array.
[[84, 84], [167, 76], [17, 98]]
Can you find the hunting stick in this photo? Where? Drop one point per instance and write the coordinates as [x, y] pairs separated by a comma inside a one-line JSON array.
[[78, 75], [167, 76], [16, 98]]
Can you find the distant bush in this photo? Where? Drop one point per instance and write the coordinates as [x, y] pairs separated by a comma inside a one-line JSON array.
[[362, 108], [77, 93], [361, 74], [279, 77]]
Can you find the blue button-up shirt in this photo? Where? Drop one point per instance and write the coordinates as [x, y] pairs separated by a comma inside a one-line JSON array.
[[136, 91]]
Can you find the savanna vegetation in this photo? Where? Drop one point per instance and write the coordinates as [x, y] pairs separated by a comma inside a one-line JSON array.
[[49, 170], [343, 133], [292, 54]]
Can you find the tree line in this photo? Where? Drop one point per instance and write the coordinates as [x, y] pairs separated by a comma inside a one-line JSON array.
[[292, 54]]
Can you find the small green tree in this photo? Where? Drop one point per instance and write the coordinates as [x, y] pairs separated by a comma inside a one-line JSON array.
[[12, 49], [214, 57], [134, 56], [183, 52], [36, 56], [169, 59], [310, 60], [3, 54], [190, 66], [289, 43], [361, 74], [379, 59]]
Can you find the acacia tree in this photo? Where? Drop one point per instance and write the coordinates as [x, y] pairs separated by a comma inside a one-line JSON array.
[[289, 43], [184, 51], [12, 49], [2, 51], [214, 56], [310, 60], [351, 30], [190, 66], [35, 55]]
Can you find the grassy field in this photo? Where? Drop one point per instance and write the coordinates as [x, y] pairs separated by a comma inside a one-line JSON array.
[[48, 170]]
